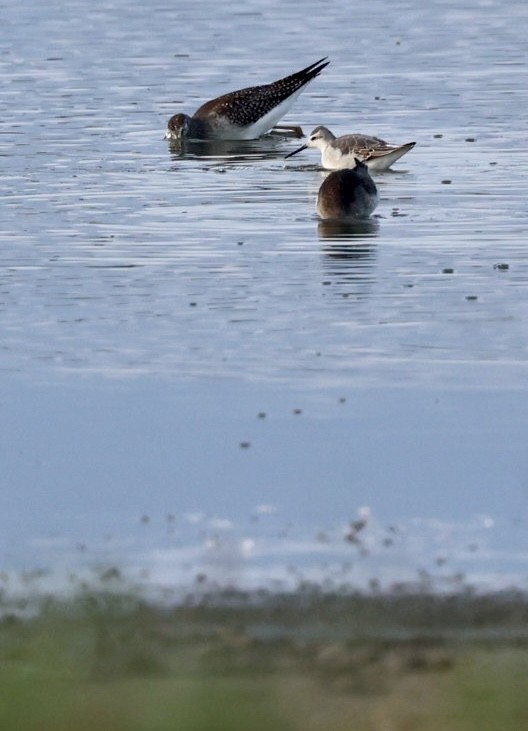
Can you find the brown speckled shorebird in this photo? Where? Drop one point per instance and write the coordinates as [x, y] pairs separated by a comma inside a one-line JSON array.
[[348, 193], [245, 114], [340, 152]]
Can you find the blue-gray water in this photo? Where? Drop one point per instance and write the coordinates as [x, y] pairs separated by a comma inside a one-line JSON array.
[[198, 376]]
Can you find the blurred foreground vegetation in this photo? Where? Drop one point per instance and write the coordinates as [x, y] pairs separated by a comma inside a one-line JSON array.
[[110, 661]]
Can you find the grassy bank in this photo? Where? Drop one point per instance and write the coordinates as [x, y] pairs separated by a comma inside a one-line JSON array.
[[112, 662]]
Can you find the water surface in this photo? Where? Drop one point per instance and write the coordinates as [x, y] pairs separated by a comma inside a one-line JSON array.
[[191, 359]]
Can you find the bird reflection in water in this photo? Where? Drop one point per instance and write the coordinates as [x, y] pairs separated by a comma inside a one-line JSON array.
[[269, 146], [349, 253], [347, 228]]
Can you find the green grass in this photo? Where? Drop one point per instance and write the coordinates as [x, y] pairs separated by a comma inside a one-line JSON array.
[[491, 690], [105, 662]]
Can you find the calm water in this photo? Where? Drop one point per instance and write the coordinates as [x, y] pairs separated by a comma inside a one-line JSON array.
[[197, 374]]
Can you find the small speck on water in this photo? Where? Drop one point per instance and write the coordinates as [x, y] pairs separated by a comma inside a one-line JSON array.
[[261, 415], [145, 519], [342, 399], [297, 412], [110, 574], [240, 243], [471, 297], [470, 139], [448, 270], [501, 267], [438, 136], [446, 182], [244, 445], [493, 163], [192, 304]]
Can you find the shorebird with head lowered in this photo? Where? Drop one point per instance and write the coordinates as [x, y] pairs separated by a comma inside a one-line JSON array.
[[338, 153], [245, 114], [347, 193]]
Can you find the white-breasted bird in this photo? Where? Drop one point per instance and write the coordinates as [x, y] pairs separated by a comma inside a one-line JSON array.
[[340, 152]]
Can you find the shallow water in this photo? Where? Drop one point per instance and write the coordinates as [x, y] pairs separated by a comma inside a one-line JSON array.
[[153, 303]]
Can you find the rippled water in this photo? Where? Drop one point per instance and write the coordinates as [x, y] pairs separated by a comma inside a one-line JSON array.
[[153, 302]]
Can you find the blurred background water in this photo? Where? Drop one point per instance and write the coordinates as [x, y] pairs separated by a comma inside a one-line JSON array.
[[201, 378]]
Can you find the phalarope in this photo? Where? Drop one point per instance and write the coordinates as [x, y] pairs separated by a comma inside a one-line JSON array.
[[349, 192], [340, 152], [245, 114]]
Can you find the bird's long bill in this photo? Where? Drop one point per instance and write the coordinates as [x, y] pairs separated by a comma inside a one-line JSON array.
[[299, 149]]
